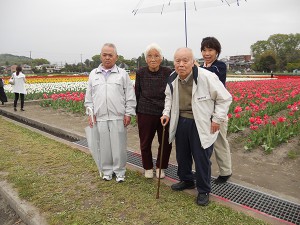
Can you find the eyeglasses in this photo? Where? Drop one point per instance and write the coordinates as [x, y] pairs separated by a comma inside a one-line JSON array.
[[153, 57]]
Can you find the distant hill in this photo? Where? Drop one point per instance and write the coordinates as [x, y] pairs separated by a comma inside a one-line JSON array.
[[8, 59]]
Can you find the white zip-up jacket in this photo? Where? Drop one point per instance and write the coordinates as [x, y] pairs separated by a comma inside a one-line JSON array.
[[20, 80], [110, 97], [210, 102]]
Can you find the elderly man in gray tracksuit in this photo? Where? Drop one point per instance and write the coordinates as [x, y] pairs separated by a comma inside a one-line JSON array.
[[110, 95], [196, 104]]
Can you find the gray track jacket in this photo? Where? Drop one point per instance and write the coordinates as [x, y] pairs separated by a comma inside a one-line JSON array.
[[110, 97]]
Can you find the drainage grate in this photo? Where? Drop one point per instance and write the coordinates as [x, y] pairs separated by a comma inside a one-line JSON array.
[[268, 204]]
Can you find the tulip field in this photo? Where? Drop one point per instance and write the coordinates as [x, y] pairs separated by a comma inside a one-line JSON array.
[[268, 109]]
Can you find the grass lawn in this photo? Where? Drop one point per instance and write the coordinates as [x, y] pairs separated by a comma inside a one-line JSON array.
[[63, 183]]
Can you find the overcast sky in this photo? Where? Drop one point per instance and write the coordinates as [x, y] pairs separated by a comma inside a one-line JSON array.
[[67, 30]]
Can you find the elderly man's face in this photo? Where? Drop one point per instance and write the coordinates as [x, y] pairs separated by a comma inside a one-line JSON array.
[[153, 59], [183, 62], [108, 57]]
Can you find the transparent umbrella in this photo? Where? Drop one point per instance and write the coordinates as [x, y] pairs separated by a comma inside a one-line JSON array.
[[165, 6]]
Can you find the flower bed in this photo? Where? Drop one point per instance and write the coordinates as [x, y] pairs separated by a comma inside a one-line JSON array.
[[71, 101], [52, 79], [269, 108]]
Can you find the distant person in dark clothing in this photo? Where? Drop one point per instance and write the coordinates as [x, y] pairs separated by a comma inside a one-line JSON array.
[[3, 97], [211, 49], [150, 86]]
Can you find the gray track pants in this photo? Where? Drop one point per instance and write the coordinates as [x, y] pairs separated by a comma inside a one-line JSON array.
[[113, 147]]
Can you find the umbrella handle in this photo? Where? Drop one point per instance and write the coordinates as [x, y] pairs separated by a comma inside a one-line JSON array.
[[90, 113]]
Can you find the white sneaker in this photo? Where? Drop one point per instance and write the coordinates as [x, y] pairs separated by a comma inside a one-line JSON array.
[[149, 173], [120, 179], [107, 177], [162, 173]]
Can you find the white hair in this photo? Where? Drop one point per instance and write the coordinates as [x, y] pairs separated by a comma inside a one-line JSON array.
[[186, 49], [153, 46]]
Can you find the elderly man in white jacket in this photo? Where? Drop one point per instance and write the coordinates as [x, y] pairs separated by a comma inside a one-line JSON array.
[[196, 104], [110, 95]]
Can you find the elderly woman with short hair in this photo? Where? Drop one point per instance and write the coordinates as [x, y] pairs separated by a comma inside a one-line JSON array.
[[150, 86]]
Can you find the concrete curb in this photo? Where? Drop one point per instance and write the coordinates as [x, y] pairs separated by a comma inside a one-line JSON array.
[[27, 212], [42, 126]]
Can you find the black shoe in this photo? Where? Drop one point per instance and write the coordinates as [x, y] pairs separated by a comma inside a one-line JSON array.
[[202, 199], [22, 109], [2, 103], [222, 179], [15, 109], [183, 185]]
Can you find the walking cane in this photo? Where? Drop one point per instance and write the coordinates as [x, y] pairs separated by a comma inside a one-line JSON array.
[[160, 163]]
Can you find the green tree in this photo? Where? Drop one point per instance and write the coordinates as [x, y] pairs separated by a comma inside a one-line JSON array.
[[88, 65], [293, 48], [284, 48], [44, 70], [141, 61], [267, 63], [293, 66], [131, 63], [72, 68], [168, 63], [259, 48], [41, 61], [95, 61], [87, 62], [120, 60]]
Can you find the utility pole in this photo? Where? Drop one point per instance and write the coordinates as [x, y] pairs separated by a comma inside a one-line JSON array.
[[31, 65], [81, 62]]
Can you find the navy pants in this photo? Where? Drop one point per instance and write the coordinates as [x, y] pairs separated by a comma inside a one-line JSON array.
[[188, 147], [17, 98]]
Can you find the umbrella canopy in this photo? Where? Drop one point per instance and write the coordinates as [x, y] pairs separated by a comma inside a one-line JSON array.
[[165, 6]]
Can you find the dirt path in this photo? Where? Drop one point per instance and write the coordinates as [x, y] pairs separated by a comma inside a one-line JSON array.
[[275, 174]]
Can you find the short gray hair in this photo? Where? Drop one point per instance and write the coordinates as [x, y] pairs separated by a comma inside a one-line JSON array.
[[110, 45], [153, 46], [186, 48]]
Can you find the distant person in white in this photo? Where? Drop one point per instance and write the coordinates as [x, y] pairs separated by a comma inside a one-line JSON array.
[[19, 87]]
